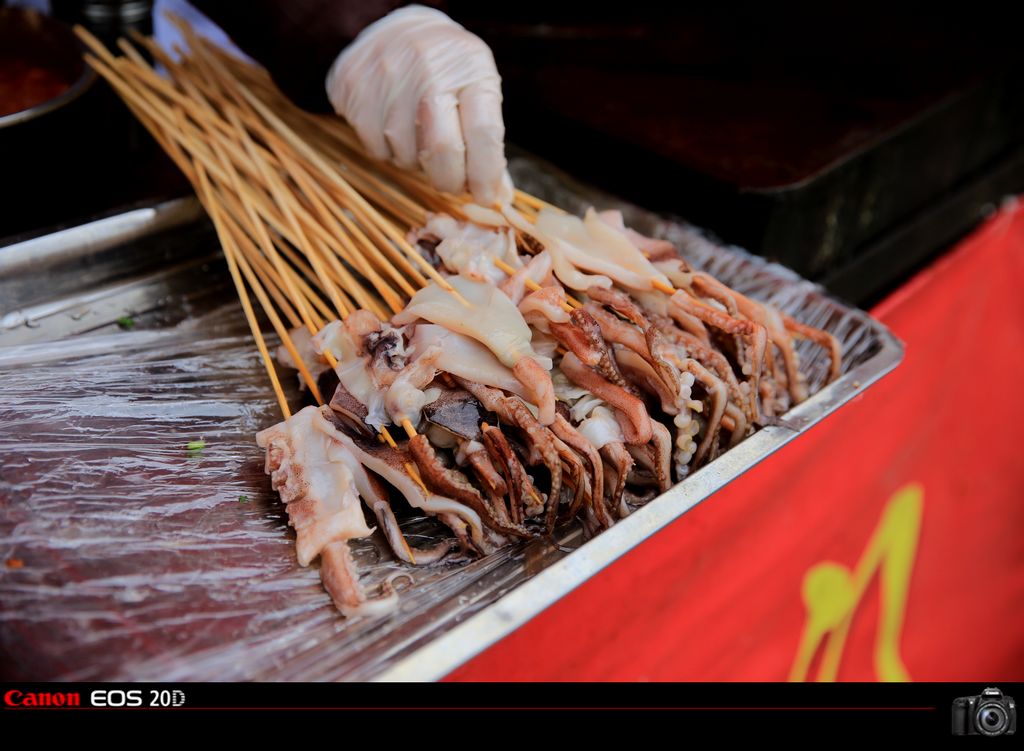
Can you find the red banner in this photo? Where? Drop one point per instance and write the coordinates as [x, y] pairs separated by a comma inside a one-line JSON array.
[[884, 545]]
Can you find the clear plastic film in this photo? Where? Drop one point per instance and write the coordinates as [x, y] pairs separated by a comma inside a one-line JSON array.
[[139, 536]]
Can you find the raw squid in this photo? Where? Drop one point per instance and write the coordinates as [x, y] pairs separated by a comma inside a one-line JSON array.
[[652, 248], [390, 464], [495, 321], [491, 319], [527, 406], [314, 477], [311, 359], [353, 370], [537, 270], [589, 244], [469, 250], [464, 357]]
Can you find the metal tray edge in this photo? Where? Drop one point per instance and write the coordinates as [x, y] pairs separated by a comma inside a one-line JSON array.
[[121, 226]]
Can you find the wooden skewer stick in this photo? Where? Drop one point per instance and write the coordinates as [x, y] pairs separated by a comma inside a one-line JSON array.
[[301, 266], [172, 149], [261, 263], [192, 101], [246, 114], [535, 203], [362, 175], [173, 133], [271, 283], [279, 327], [249, 99], [233, 253], [153, 108], [358, 200], [668, 289], [268, 248], [344, 226], [284, 200], [228, 243], [659, 285], [200, 178], [372, 246], [342, 134], [207, 196]]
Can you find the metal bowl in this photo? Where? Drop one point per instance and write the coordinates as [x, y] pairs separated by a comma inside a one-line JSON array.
[[39, 39]]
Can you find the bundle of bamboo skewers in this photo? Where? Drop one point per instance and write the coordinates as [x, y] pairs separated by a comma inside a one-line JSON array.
[[310, 225], [317, 231]]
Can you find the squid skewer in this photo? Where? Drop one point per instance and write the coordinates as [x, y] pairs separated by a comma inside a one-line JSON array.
[[315, 230]]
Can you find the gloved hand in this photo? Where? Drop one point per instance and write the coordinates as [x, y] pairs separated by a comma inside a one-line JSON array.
[[422, 91]]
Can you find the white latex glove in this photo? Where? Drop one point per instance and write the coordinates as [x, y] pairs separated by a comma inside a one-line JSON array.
[[422, 91]]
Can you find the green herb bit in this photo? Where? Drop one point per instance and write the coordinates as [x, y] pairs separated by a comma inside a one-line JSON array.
[[195, 445], [243, 499], [126, 322]]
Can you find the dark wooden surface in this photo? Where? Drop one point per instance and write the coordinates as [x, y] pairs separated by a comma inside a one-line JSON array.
[[817, 137], [851, 145]]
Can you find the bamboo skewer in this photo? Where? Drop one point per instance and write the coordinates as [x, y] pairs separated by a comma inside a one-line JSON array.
[[294, 226], [310, 225], [338, 219], [280, 328], [383, 226], [281, 210], [370, 238], [236, 261], [228, 242], [149, 112], [269, 249], [282, 198], [151, 108]]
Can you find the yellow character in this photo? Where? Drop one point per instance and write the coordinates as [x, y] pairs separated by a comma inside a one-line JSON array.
[[831, 593]]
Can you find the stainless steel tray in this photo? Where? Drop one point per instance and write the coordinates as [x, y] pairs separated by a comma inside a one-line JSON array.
[[135, 559]]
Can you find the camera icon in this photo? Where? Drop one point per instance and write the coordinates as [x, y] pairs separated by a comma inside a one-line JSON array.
[[989, 713]]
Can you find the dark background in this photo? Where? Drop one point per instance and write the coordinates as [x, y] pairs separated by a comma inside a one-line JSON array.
[[852, 144]]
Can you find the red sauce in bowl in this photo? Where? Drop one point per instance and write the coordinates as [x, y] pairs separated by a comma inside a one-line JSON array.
[[24, 85]]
